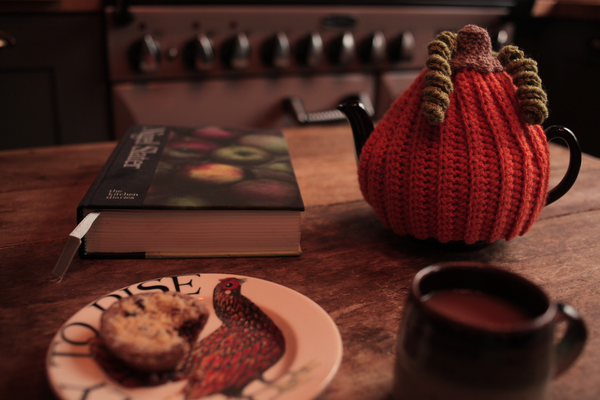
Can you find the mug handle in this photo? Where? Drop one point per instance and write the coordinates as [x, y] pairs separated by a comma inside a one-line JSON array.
[[560, 132], [571, 345]]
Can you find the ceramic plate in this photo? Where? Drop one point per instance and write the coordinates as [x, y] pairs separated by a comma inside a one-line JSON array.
[[313, 346]]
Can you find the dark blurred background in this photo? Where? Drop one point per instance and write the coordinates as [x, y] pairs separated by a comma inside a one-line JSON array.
[[58, 83], [564, 38]]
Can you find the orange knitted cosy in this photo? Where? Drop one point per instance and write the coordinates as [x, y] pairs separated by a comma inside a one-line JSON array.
[[465, 168]]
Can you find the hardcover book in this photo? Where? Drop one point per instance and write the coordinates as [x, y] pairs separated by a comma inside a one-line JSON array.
[[194, 192]]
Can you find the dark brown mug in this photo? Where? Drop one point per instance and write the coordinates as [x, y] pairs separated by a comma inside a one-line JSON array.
[[472, 331]]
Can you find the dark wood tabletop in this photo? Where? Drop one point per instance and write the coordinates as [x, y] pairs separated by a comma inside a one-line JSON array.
[[354, 268]]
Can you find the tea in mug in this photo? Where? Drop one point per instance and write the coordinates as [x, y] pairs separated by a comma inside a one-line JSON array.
[[476, 308]]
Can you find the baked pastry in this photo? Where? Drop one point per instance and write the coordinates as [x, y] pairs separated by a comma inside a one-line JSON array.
[[153, 331]]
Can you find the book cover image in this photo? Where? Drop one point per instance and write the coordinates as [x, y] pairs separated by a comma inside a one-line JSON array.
[[199, 168]]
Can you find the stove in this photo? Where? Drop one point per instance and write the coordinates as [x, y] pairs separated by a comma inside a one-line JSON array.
[[271, 65]]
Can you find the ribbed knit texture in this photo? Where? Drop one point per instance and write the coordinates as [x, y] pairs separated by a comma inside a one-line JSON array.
[[480, 175]]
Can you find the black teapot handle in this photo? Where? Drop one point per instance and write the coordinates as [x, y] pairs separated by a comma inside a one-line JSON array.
[[560, 132]]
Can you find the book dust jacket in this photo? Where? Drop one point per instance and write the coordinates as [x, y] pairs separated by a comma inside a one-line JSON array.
[[159, 167]]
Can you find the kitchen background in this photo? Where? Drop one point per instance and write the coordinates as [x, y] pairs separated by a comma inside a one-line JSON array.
[[77, 71]]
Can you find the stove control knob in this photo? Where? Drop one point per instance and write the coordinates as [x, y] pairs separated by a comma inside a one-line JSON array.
[[200, 53], [372, 49], [236, 52], [342, 49], [276, 51], [145, 55], [310, 50], [402, 48]]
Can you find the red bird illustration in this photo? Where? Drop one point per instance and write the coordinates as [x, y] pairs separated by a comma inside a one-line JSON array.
[[238, 352]]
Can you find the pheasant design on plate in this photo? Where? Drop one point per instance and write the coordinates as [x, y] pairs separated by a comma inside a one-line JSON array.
[[239, 351]]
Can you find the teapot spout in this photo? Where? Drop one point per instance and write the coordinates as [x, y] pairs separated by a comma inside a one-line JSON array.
[[360, 122]]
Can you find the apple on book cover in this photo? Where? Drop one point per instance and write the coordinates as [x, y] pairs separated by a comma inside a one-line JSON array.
[[195, 192]]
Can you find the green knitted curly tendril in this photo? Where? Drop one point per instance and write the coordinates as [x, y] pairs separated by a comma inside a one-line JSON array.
[[524, 72], [436, 95]]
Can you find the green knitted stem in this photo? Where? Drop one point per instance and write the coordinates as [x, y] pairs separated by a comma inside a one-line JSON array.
[[439, 80], [524, 72], [436, 96], [449, 38]]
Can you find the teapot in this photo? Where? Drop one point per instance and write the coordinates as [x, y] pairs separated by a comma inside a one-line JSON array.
[[460, 157]]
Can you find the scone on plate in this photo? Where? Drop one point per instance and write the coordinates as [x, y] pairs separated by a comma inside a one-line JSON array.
[[153, 331]]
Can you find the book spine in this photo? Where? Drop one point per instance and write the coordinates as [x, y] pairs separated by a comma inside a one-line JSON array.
[[94, 188], [124, 182]]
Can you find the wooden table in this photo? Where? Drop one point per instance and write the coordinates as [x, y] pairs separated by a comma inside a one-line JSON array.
[[353, 267]]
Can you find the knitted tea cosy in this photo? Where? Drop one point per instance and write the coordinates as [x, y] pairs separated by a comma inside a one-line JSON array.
[[460, 156]]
